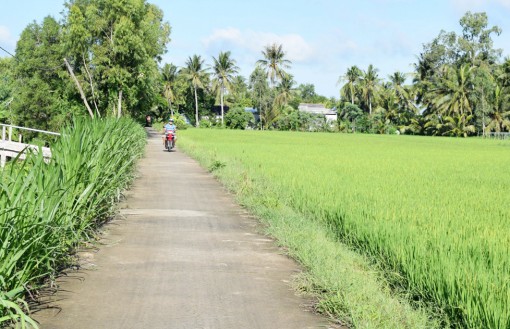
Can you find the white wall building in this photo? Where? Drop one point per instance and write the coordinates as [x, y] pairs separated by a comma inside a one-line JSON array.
[[318, 109]]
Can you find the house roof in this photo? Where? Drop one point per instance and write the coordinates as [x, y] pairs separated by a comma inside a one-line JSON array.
[[315, 109]]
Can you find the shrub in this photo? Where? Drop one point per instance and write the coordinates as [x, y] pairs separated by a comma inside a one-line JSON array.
[[238, 118]]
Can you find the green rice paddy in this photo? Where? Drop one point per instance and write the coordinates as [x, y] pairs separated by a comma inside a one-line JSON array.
[[432, 213]]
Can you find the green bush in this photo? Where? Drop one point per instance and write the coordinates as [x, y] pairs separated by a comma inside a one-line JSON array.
[[205, 123], [238, 118], [180, 122]]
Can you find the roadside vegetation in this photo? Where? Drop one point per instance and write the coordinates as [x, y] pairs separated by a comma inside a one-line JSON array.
[[430, 214], [47, 209]]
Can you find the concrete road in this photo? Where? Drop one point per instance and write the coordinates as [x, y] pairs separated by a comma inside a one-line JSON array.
[[181, 255]]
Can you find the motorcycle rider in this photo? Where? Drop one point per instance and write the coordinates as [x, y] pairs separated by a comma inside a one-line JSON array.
[[170, 127]]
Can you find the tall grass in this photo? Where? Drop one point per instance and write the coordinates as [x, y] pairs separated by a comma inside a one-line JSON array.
[[432, 212], [47, 208]]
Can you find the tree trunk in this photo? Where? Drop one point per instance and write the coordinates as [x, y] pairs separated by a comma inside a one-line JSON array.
[[196, 107], [82, 94], [91, 85], [170, 106], [119, 107], [221, 101], [483, 125], [483, 113]]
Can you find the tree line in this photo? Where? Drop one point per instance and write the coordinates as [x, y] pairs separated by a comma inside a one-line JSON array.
[[459, 87], [112, 49]]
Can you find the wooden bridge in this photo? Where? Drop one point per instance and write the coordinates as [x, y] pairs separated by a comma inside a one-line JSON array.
[[11, 149]]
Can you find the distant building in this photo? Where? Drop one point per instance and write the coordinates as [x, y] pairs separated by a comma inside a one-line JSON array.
[[216, 110], [254, 112], [329, 114]]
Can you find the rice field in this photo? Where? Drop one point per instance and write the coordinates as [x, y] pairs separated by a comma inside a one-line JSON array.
[[47, 209], [433, 213]]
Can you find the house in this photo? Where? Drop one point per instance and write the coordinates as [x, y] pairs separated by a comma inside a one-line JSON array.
[[329, 114]]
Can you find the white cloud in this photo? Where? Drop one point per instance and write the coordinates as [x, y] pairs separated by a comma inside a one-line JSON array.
[[5, 35], [6, 40], [294, 45], [224, 36]]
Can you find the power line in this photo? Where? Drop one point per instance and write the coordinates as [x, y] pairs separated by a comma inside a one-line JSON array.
[[37, 68], [7, 51]]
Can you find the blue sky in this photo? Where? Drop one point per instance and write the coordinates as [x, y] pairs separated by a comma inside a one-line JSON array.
[[322, 38]]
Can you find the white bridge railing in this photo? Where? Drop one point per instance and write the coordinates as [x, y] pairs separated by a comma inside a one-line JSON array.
[[11, 149]]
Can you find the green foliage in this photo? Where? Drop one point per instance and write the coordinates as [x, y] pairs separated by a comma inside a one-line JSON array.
[[196, 75], [294, 120], [224, 70], [48, 208], [355, 119], [206, 123], [216, 165], [307, 93], [115, 47], [433, 213], [113, 50], [169, 76], [6, 89], [180, 122], [42, 99], [274, 62], [261, 94], [456, 76], [240, 95], [350, 90], [238, 118]]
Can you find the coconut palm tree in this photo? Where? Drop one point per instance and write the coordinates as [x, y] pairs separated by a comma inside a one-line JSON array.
[[459, 125], [389, 110], [369, 85], [500, 117], [169, 75], [274, 62], [451, 95], [404, 95], [195, 73], [260, 90], [504, 73], [352, 78], [238, 93], [397, 80], [224, 71], [284, 90]]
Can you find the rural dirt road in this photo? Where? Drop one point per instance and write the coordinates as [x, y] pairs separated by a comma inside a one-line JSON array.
[[181, 255]]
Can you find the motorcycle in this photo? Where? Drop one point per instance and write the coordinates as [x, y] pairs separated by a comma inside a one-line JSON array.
[[169, 140]]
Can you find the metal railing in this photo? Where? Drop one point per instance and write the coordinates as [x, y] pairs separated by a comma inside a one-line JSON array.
[[10, 148], [6, 127]]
